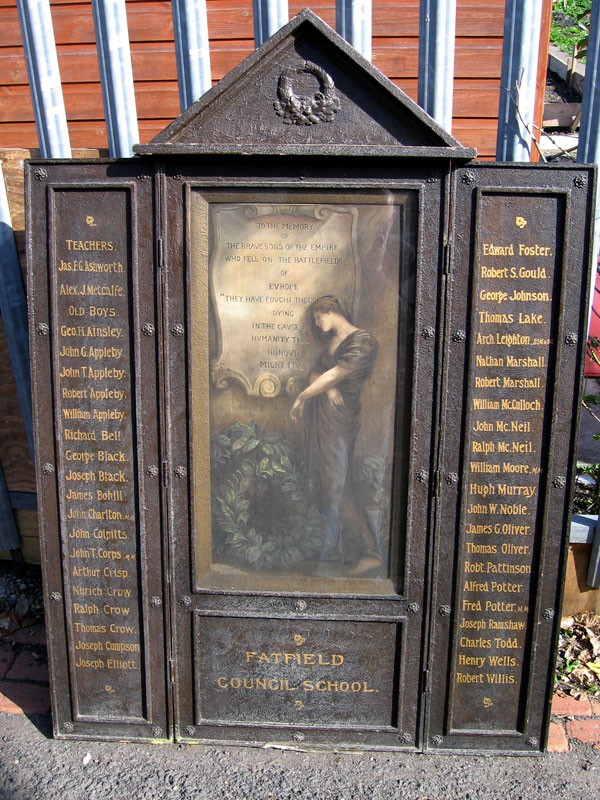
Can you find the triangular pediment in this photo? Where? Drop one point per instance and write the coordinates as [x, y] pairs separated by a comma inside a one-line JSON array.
[[306, 91]]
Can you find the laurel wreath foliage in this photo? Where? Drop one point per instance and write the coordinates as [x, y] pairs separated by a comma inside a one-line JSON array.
[[261, 514]]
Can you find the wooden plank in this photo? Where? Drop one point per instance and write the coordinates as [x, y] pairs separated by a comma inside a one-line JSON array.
[[27, 525], [84, 101], [478, 133], [83, 134], [578, 596], [560, 115], [396, 58]]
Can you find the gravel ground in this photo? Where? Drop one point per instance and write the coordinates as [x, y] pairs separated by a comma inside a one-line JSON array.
[[34, 766]]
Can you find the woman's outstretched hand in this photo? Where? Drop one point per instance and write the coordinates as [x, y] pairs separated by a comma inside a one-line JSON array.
[[335, 396], [297, 410]]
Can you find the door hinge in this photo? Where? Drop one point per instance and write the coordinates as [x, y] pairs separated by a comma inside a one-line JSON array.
[[171, 670], [426, 681], [165, 474], [161, 252]]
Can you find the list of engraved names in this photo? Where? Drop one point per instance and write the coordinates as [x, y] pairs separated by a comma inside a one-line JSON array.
[[510, 351], [96, 468]]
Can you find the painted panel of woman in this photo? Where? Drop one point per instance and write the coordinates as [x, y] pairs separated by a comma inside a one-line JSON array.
[[330, 406]]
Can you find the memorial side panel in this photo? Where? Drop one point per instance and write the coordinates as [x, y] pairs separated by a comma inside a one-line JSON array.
[[92, 377], [516, 275]]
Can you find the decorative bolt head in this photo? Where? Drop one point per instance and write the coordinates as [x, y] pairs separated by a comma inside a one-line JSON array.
[[459, 336], [48, 468], [152, 470], [571, 339], [468, 177], [56, 597], [156, 731], [178, 176], [68, 727], [422, 476], [143, 177], [190, 730], [413, 608], [148, 329], [155, 602], [437, 740], [300, 605], [180, 472], [532, 741], [451, 478], [559, 482], [428, 332], [580, 180], [548, 613], [177, 330], [185, 601], [42, 329], [445, 611], [406, 738], [298, 737], [40, 174]]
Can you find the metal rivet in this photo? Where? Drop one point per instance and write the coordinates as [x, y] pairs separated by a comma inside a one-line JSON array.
[[185, 601], [68, 727], [177, 330], [428, 332], [414, 608], [459, 336], [180, 472], [559, 482], [422, 476], [155, 602], [571, 339], [42, 329], [451, 478], [548, 613], [148, 329], [156, 731], [48, 469], [190, 730], [40, 174], [56, 597], [445, 611]]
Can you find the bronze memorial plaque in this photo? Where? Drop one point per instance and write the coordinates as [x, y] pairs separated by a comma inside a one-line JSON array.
[[306, 406], [89, 361]]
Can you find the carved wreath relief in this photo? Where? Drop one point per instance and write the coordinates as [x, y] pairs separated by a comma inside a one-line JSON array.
[[299, 109]]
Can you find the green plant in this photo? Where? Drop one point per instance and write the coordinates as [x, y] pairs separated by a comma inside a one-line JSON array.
[[261, 514], [571, 26], [587, 495]]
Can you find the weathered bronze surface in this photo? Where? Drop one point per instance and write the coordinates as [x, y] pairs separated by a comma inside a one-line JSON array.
[[100, 510], [143, 356], [508, 446]]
